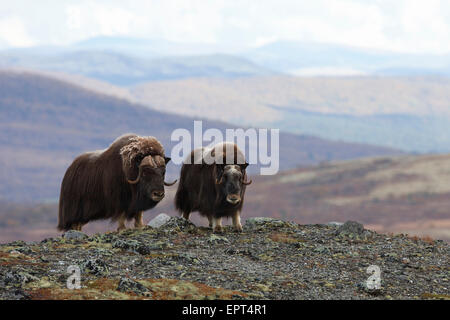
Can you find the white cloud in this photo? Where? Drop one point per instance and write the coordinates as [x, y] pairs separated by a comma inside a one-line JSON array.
[[13, 32], [400, 25]]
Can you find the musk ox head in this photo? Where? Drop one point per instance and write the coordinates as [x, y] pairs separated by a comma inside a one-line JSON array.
[[230, 178], [144, 166], [230, 174]]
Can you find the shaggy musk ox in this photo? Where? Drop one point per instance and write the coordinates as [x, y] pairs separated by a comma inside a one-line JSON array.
[[118, 183], [213, 184]]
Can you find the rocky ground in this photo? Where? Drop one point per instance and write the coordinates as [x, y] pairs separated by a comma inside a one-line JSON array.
[[271, 259]]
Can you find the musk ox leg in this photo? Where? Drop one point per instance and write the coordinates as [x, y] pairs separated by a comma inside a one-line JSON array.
[[217, 225], [186, 215], [139, 221], [76, 226], [121, 223], [210, 221], [237, 221]]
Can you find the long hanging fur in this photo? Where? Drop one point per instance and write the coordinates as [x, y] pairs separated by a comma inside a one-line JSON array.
[[95, 185], [197, 188]]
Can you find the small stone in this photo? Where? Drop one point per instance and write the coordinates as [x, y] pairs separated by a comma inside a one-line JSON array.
[[75, 235], [129, 285], [334, 224], [136, 246], [351, 228], [95, 266], [217, 239], [158, 221], [264, 222], [176, 224], [263, 287], [17, 279]]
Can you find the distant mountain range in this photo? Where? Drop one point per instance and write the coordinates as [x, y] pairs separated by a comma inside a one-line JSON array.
[[412, 113], [126, 61], [120, 69], [45, 123], [299, 58], [401, 102]]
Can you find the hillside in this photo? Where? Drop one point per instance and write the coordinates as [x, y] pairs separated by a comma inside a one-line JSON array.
[[409, 113], [45, 123], [128, 69], [409, 194], [271, 259], [297, 57], [288, 57]]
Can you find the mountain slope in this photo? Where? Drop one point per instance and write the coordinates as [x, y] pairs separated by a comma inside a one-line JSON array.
[[406, 113], [303, 57], [127, 69], [408, 194], [45, 123]]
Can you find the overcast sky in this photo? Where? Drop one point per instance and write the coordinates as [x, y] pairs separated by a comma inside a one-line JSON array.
[[396, 25]]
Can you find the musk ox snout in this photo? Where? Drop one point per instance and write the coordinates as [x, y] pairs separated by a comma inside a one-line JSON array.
[[157, 195], [233, 198]]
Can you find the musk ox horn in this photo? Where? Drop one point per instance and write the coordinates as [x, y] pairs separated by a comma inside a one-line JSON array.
[[219, 181], [170, 183], [138, 177], [247, 182]]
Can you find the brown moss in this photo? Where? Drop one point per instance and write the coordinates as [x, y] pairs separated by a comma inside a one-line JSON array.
[[170, 289], [428, 295], [424, 238], [283, 238]]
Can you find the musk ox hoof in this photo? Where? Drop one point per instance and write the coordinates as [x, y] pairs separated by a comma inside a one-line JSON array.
[[238, 229], [218, 229], [119, 229]]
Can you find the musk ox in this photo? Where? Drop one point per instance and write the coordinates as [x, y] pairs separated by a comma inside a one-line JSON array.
[[117, 183], [213, 184]]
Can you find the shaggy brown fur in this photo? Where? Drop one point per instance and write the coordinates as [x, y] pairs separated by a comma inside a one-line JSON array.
[[117, 183], [214, 189]]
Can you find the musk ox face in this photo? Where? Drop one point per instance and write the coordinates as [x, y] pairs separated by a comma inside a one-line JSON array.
[[230, 179], [150, 180]]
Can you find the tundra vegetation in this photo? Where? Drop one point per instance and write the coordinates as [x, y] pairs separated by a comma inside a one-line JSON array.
[[270, 259]]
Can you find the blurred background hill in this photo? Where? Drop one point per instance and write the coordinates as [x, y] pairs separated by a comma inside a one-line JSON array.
[[363, 107]]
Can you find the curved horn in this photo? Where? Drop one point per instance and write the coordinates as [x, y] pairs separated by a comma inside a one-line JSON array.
[[220, 181], [138, 177], [247, 182], [170, 183]]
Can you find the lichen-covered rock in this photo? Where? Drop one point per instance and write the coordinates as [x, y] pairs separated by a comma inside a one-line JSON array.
[[95, 266], [18, 278], [176, 224], [158, 221], [260, 223], [334, 224], [214, 239], [129, 285], [75, 235], [351, 228]]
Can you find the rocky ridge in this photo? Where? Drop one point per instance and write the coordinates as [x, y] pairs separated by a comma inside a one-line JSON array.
[[271, 259]]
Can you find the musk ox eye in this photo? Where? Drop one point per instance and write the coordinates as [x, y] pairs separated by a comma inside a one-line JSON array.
[[139, 158]]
